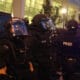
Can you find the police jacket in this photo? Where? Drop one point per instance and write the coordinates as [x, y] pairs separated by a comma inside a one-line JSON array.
[[40, 43]]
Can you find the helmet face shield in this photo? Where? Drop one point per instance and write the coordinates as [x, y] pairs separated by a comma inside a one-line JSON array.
[[47, 24], [19, 28]]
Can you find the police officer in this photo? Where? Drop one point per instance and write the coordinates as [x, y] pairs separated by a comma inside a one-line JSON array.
[[41, 51], [19, 64], [67, 45]]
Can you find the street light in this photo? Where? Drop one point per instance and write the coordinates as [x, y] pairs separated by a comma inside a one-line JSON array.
[[64, 13]]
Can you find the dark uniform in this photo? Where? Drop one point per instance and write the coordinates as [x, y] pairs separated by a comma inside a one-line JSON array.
[[41, 48], [3, 65], [19, 62], [68, 50]]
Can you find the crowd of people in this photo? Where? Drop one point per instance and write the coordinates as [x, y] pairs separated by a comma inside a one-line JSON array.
[[41, 63]]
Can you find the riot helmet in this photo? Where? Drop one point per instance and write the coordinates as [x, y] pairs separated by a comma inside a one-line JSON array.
[[72, 24], [18, 27], [43, 22]]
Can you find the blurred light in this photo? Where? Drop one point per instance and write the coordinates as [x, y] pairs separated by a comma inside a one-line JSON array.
[[12, 15], [63, 11], [2, 0]]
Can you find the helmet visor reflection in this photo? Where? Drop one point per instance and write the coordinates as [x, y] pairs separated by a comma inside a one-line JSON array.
[[47, 24]]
